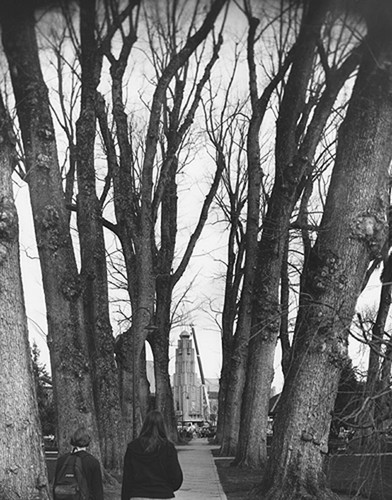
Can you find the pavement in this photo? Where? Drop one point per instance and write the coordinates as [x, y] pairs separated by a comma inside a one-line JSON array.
[[201, 481]]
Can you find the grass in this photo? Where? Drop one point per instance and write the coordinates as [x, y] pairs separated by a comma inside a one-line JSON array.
[[346, 473], [237, 483]]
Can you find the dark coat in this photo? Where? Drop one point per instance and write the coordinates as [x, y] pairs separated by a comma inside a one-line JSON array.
[[151, 475], [92, 472]]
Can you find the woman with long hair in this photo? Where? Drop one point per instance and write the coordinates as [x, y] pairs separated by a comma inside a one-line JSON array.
[[151, 467]]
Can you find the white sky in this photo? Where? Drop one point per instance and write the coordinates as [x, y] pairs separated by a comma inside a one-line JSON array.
[[207, 286], [206, 265]]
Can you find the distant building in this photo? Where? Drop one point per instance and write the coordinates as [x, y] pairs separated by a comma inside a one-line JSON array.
[[187, 388], [213, 392]]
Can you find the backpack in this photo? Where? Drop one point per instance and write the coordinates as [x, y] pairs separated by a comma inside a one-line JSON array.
[[71, 483]]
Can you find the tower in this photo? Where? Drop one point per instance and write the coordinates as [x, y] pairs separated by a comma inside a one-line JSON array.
[[186, 388]]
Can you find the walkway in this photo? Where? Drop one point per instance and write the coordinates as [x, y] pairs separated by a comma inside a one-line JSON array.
[[201, 481]]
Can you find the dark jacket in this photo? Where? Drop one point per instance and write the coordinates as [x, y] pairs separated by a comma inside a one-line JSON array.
[[92, 472], [153, 475]]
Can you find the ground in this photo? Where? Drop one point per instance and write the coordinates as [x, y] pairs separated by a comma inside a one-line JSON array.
[[112, 492], [238, 483], [346, 472]]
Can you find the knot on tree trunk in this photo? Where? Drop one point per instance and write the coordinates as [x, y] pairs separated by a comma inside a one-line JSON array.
[[8, 226], [71, 287], [43, 161], [371, 228], [46, 133]]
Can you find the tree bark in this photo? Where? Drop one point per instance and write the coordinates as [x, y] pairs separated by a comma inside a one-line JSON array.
[[240, 342], [72, 381], [136, 210], [93, 253], [160, 336], [293, 165], [353, 231], [127, 212], [22, 461], [233, 281], [252, 449]]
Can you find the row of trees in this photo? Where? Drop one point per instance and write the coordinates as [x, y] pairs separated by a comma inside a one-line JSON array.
[[299, 170]]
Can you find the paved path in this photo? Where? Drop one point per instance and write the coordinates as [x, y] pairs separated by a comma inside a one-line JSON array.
[[201, 481]]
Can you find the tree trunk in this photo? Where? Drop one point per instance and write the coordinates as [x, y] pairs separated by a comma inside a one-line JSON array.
[[285, 304], [72, 382], [375, 406], [229, 314], [137, 251], [136, 208], [93, 254], [22, 461], [163, 391], [159, 335], [353, 230], [239, 345], [293, 163], [252, 448]]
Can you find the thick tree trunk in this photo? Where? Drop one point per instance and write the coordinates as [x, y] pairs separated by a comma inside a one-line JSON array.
[[93, 254], [22, 461], [160, 336], [159, 339], [136, 207], [163, 390], [303, 442], [129, 351], [292, 165], [353, 230], [71, 370], [137, 250], [129, 396], [252, 449]]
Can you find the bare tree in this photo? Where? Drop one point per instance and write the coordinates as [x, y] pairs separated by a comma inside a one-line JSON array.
[[149, 263], [22, 462], [353, 231], [229, 137], [239, 348], [92, 248], [298, 134], [375, 407], [67, 339]]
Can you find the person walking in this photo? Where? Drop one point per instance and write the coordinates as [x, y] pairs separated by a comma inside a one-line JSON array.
[[87, 477], [151, 466]]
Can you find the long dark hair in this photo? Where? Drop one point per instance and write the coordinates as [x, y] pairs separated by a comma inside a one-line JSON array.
[[153, 432]]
